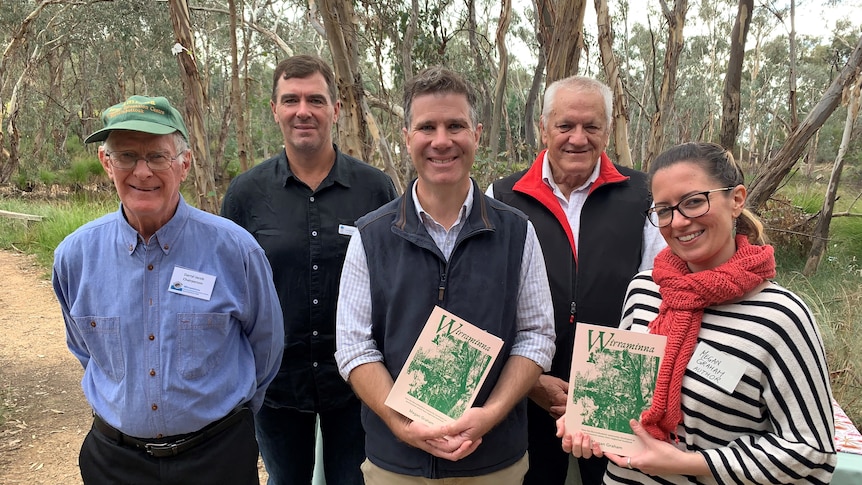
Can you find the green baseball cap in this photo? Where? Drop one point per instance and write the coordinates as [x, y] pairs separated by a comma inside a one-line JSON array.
[[141, 113]]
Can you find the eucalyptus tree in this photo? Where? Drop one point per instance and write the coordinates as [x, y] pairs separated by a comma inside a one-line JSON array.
[[675, 18], [773, 172], [731, 104]]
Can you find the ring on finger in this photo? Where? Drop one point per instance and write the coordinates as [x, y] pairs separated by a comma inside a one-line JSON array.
[[629, 462]]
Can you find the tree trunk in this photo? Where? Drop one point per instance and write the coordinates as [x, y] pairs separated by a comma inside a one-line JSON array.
[[409, 38], [194, 106], [622, 151], [338, 20], [533, 95], [733, 79], [821, 230], [773, 172], [664, 106], [486, 103], [383, 147], [811, 156], [565, 37], [502, 72], [794, 114], [236, 95]]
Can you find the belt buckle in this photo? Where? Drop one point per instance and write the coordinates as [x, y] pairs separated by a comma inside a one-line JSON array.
[[156, 449]]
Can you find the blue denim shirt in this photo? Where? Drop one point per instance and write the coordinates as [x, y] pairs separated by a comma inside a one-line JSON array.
[[158, 363]]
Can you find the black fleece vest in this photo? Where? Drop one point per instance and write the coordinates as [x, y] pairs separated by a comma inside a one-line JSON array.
[[479, 283], [610, 247]]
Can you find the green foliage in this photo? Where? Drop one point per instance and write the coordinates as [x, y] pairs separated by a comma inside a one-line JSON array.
[[83, 171], [60, 218], [47, 177]]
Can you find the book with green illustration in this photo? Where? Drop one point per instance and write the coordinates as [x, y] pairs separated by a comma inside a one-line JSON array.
[[445, 370], [612, 380]]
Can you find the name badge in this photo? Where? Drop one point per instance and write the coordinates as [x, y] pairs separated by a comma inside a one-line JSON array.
[[192, 283], [346, 230], [720, 368]]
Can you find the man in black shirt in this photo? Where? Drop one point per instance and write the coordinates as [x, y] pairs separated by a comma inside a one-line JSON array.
[[301, 206]]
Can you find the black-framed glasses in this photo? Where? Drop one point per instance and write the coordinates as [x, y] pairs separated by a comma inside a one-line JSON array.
[[692, 206], [155, 161]]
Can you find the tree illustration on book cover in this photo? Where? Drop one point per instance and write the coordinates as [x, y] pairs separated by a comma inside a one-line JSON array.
[[445, 375], [612, 381], [445, 370]]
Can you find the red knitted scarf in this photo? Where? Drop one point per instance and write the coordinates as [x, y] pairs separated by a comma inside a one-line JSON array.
[[684, 296]]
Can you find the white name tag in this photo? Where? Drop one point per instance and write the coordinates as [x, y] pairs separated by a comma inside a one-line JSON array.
[[191, 283], [718, 367], [346, 230]]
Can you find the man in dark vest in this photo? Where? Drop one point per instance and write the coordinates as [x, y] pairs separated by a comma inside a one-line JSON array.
[[444, 243], [589, 216]]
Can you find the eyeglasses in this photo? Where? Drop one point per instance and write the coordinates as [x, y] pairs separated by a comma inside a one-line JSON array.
[[692, 206], [155, 161]]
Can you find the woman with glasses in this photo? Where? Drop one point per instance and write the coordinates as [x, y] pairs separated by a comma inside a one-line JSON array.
[[743, 392]]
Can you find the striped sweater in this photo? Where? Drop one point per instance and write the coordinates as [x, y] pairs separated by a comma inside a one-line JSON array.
[[777, 426]]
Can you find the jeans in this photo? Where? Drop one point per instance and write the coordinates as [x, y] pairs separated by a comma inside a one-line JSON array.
[[287, 443]]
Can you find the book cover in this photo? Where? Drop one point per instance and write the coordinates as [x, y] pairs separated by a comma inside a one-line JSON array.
[[445, 370], [613, 377]]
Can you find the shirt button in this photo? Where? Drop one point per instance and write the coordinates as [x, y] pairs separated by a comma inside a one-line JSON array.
[[314, 267], [314, 301], [314, 364], [311, 199], [314, 233], [152, 337], [159, 435], [152, 372], [166, 246], [155, 406], [93, 323], [150, 267], [314, 333]]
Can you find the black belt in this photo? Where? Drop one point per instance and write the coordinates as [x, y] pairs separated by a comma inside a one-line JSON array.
[[170, 446]]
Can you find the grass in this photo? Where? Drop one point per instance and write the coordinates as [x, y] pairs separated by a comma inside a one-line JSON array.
[[60, 218], [834, 292]]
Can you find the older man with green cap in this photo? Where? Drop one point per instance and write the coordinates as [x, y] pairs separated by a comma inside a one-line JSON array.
[[171, 311]]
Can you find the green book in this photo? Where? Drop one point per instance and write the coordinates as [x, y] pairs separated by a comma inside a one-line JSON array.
[[445, 370], [612, 380]]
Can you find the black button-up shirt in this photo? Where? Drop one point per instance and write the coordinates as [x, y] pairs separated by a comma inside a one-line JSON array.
[[305, 235]]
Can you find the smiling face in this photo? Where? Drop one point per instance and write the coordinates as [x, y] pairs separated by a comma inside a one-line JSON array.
[[305, 113], [149, 198], [442, 140], [707, 241], [576, 133]]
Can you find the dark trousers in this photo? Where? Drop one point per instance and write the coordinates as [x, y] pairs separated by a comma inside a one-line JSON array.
[[227, 457], [287, 443], [548, 462]]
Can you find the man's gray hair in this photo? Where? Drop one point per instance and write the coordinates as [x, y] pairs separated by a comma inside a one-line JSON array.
[[580, 84]]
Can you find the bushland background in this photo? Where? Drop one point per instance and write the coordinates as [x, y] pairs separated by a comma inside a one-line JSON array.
[[775, 81]]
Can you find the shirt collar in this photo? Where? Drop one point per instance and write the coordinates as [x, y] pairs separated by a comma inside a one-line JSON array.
[[548, 177], [466, 206], [338, 174], [165, 237]]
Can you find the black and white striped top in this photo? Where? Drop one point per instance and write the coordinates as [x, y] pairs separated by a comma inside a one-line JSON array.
[[777, 425]]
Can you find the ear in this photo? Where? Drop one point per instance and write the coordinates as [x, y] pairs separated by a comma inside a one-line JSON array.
[[477, 133], [739, 194], [187, 164], [106, 162], [542, 132], [336, 109], [272, 109]]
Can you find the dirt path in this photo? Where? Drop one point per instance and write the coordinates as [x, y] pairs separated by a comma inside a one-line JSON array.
[[47, 416]]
